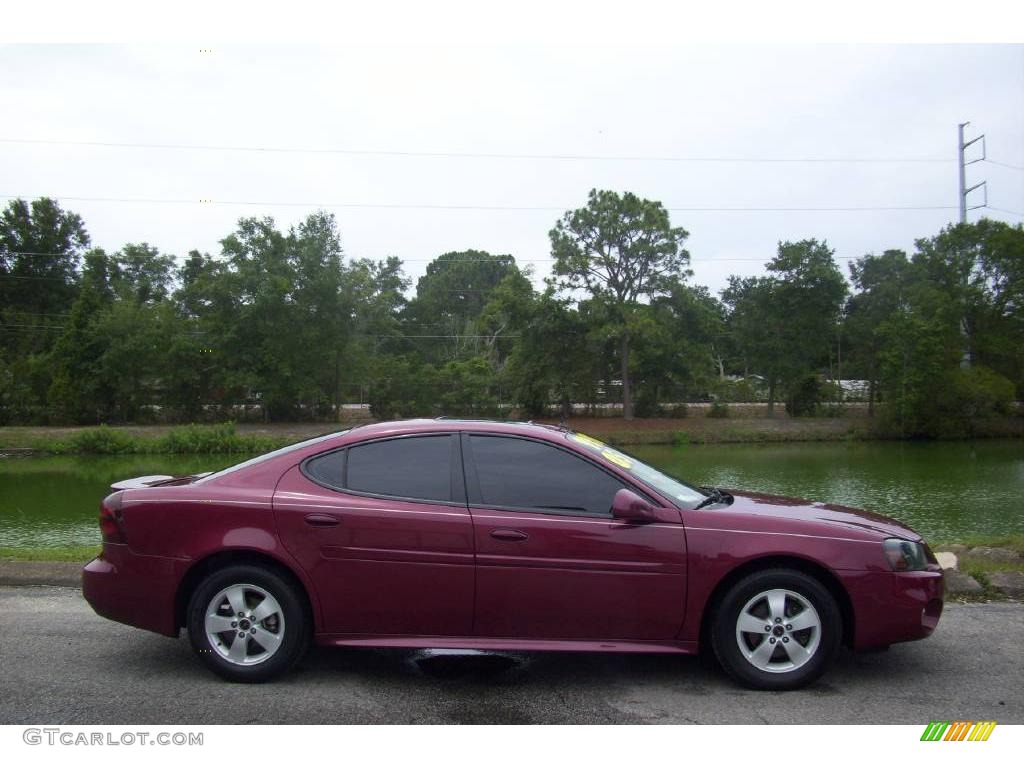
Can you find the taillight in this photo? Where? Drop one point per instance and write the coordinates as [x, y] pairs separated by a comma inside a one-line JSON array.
[[111, 519]]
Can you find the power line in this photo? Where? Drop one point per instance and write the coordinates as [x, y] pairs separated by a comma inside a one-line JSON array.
[[27, 326], [525, 261], [1006, 210], [1004, 165], [480, 155], [32, 277], [7, 314], [548, 208], [494, 260]]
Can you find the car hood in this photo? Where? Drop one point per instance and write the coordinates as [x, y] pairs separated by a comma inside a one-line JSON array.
[[802, 510]]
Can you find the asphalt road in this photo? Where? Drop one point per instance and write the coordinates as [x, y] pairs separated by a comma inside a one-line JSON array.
[[61, 664]]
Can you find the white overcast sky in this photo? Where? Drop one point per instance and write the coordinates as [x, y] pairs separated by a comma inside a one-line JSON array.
[[901, 102]]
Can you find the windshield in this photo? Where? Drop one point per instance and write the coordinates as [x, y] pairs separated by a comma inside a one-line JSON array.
[[271, 455], [645, 473]]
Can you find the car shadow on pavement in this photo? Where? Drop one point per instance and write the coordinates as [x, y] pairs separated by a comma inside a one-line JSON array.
[[553, 669], [367, 685], [431, 668]]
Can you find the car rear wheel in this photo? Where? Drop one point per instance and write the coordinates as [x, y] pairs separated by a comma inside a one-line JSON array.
[[247, 623], [776, 629]]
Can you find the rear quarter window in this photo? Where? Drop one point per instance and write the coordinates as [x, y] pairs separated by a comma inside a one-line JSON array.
[[418, 467]]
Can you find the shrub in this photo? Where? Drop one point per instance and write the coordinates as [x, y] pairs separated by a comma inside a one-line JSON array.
[[746, 390], [465, 388], [948, 405], [214, 438], [646, 404], [804, 396], [979, 392], [718, 411], [831, 410], [404, 388], [101, 439]]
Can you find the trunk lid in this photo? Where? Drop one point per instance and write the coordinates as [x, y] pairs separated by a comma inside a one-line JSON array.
[[152, 481]]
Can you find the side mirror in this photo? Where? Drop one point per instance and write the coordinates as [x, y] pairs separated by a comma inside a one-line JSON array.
[[628, 506]]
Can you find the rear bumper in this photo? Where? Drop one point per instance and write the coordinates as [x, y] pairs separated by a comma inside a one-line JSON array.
[[134, 589], [895, 607]]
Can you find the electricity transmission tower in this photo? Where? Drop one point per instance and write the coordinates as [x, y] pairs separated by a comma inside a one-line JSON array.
[[964, 189]]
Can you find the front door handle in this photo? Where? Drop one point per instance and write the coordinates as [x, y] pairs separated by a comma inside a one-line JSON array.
[[508, 534], [322, 521]]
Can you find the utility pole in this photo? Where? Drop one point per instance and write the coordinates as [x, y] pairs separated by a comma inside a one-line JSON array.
[[967, 359], [964, 189]]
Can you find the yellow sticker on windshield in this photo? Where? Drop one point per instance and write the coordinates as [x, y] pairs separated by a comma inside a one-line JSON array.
[[579, 437], [617, 458], [609, 453]]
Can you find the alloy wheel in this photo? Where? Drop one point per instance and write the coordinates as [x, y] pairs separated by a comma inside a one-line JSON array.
[[778, 630], [244, 624]]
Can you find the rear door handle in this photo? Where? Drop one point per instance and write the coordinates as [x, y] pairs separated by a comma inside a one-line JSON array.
[[322, 521], [508, 534]]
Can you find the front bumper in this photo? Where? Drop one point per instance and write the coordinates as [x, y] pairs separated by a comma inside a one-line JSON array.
[[895, 607], [134, 589]]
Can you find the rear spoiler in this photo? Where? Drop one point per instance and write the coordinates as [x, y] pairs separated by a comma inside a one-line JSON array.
[[150, 481]]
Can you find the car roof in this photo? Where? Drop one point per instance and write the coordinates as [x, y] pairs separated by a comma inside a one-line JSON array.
[[268, 467], [445, 424]]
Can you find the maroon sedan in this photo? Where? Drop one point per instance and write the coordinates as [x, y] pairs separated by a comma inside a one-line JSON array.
[[474, 534]]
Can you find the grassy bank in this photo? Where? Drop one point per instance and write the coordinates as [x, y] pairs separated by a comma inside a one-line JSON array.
[[253, 439], [114, 441], [50, 554], [1014, 541]]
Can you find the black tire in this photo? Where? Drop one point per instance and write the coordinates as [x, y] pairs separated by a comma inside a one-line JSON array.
[[794, 658], [291, 623]]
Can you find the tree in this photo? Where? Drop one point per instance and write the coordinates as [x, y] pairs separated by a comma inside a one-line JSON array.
[[883, 284], [142, 275], [980, 267], [948, 350], [555, 358], [674, 344], [619, 249], [379, 355], [76, 393], [785, 323], [323, 318], [451, 296], [40, 245], [259, 338], [40, 248], [919, 349], [758, 328]]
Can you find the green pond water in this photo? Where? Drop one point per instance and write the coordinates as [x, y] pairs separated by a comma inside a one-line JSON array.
[[946, 491]]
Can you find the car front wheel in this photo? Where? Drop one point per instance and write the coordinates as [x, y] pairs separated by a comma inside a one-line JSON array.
[[247, 623], [776, 629]]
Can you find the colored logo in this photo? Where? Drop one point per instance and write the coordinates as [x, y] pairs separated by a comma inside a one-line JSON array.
[[958, 730]]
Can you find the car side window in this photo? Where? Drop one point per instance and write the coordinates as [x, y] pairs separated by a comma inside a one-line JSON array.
[[328, 469], [512, 472], [418, 467]]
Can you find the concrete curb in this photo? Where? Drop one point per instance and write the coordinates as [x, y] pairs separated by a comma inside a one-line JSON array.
[[29, 573]]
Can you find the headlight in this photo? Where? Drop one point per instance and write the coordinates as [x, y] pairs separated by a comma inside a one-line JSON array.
[[905, 555]]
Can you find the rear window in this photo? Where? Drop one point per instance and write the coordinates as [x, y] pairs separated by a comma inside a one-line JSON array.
[[271, 455], [407, 467]]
